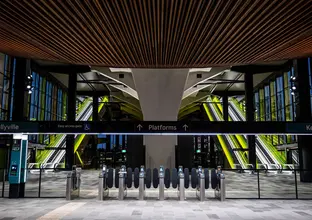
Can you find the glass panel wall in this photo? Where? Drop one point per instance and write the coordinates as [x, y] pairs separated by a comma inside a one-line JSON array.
[[7, 76], [46, 103]]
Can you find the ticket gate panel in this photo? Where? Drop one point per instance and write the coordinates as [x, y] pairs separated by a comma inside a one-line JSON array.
[[110, 178], [148, 180], [136, 177], [129, 178], [117, 178], [155, 178], [167, 178], [206, 172], [186, 178], [194, 178], [174, 178]]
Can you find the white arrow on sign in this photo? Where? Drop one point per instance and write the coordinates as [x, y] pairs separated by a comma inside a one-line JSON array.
[[185, 127], [139, 127]]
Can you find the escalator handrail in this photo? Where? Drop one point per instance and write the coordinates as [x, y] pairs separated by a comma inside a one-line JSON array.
[[268, 151], [61, 140], [239, 159]]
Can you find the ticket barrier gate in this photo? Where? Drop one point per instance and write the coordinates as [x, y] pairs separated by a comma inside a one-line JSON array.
[[218, 183], [73, 184], [142, 183], [122, 189], [200, 189], [162, 178], [181, 187], [161, 185], [103, 186]]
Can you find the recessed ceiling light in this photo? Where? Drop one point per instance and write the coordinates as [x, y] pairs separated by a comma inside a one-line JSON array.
[[114, 70], [200, 70]]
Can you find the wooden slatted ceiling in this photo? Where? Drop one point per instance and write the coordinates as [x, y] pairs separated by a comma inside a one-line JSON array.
[[156, 33]]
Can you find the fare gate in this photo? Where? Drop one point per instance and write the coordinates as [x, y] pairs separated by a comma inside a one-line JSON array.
[[180, 179]]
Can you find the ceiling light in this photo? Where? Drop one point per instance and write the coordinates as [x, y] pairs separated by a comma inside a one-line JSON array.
[[114, 70], [200, 70], [29, 92], [28, 87], [294, 88]]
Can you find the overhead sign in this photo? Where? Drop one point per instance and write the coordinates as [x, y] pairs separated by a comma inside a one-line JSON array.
[[161, 127], [154, 127]]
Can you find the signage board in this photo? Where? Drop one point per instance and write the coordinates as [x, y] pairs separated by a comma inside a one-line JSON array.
[[154, 127]]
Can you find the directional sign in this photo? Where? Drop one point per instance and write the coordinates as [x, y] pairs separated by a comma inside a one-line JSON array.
[[152, 127]]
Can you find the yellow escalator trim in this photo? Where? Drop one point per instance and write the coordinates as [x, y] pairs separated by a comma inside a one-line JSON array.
[[232, 137], [220, 138], [82, 136]]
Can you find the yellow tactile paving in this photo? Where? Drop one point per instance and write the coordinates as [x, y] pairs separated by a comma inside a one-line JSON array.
[[62, 211]]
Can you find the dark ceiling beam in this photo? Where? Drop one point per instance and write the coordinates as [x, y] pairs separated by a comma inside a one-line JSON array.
[[68, 69], [255, 69], [92, 93], [228, 93]]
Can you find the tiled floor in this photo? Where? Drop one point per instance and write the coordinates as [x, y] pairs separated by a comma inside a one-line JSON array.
[[152, 209], [88, 207]]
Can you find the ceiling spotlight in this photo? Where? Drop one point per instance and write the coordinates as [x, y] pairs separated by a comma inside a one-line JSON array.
[[28, 86], [200, 70], [29, 77], [292, 93], [29, 92]]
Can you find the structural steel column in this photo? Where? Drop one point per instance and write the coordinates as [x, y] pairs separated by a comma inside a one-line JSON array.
[[71, 117], [22, 70], [303, 114], [225, 104], [95, 108], [212, 152], [249, 103]]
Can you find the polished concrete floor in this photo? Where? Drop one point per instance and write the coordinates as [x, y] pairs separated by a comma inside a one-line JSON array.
[[238, 185], [85, 209]]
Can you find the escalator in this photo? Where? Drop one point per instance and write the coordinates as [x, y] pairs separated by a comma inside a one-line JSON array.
[[44, 157], [262, 155], [271, 153], [232, 156], [59, 155], [62, 145]]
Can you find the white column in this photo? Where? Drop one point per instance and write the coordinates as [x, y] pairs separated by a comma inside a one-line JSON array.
[[160, 92]]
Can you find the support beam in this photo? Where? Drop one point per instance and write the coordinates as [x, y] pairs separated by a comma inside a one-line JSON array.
[[228, 93], [255, 69], [160, 92], [225, 104], [303, 114], [71, 117], [212, 153], [19, 111], [22, 69], [66, 69], [251, 140], [92, 93], [95, 108]]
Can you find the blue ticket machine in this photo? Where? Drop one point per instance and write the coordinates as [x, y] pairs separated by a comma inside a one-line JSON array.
[[18, 166]]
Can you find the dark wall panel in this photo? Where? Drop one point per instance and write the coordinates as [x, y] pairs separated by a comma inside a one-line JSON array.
[[185, 151], [135, 151]]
